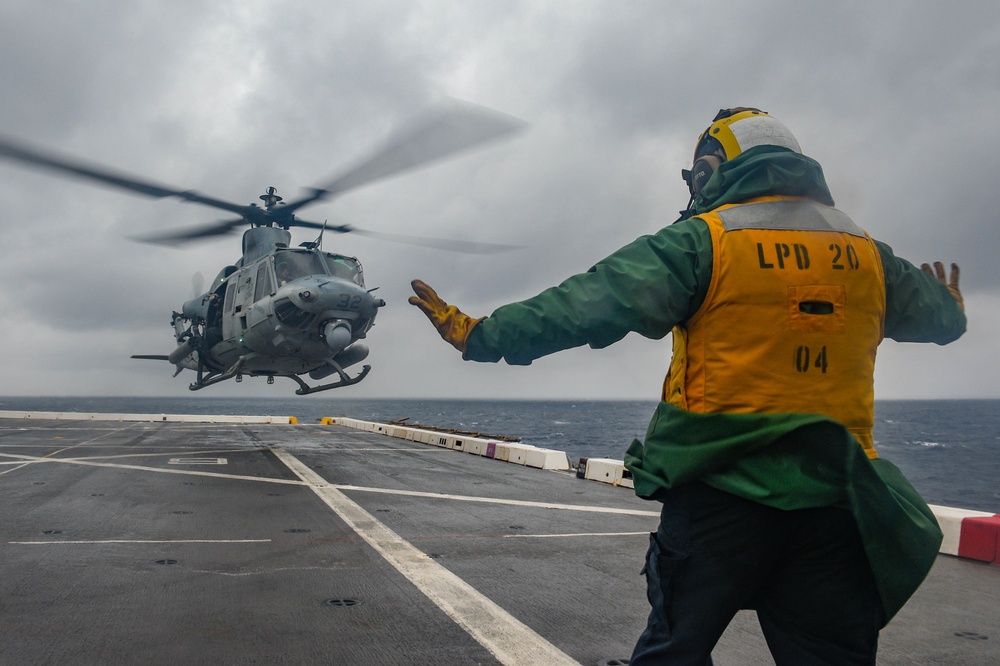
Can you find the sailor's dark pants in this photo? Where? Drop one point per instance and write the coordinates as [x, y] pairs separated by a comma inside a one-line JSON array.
[[803, 571]]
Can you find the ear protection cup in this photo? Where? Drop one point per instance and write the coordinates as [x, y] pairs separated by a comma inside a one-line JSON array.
[[699, 174]]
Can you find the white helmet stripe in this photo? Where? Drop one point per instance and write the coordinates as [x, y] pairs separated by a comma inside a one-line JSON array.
[[761, 130]]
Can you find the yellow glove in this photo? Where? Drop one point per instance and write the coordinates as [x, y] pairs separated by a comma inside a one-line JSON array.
[[951, 282], [453, 325]]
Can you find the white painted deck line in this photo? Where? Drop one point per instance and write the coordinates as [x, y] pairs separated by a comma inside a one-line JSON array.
[[33, 460], [509, 640], [159, 418], [574, 534], [497, 500], [130, 541]]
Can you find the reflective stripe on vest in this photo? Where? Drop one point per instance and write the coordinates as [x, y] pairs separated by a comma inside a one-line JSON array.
[[792, 318]]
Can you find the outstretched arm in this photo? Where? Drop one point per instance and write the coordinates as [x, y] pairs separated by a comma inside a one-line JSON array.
[[646, 287], [921, 305]]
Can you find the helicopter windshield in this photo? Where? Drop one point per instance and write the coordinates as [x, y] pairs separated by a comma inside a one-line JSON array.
[[345, 267], [291, 265]]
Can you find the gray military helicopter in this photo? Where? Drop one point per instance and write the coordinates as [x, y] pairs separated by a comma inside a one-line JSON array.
[[281, 311]]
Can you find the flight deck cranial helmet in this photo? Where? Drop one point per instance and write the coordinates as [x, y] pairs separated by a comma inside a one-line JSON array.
[[734, 131]]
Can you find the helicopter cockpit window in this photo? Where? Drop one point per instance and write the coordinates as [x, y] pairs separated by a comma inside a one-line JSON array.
[[293, 264], [345, 267]]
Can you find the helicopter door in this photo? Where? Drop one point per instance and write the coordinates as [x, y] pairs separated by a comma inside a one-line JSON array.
[[263, 287], [227, 318], [242, 300]]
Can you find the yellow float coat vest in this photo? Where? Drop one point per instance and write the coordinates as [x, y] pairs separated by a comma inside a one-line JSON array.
[[792, 319]]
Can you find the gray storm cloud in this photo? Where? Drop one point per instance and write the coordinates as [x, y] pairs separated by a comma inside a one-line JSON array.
[[231, 98]]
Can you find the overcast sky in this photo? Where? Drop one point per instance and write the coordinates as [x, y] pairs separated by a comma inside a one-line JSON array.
[[895, 99]]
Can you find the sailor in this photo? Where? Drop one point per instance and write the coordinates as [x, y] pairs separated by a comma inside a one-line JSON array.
[[284, 274], [773, 495]]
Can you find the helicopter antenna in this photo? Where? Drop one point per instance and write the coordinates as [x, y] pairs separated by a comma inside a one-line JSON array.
[[318, 243], [319, 239]]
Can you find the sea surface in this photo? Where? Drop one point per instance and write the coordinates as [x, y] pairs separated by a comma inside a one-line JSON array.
[[949, 449]]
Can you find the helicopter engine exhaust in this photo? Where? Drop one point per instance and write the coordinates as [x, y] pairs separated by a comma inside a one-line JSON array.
[[357, 353], [337, 334]]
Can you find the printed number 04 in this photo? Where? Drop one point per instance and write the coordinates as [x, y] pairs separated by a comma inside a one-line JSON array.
[[803, 356]]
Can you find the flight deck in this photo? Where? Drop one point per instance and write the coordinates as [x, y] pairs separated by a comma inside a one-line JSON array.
[[182, 542]]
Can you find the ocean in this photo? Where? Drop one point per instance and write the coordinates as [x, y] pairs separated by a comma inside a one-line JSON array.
[[949, 449]]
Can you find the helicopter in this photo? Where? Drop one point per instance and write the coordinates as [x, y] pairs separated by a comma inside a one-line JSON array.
[[283, 311]]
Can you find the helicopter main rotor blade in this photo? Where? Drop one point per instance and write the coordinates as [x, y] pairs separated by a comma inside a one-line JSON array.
[[465, 247], [47, 160], [192, 233], [446, 130]]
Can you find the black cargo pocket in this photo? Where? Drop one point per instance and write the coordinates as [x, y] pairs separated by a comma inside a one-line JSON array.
[[660, 569]]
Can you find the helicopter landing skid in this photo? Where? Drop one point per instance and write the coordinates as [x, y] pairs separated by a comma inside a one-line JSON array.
[[228, 374], [345, 380]]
